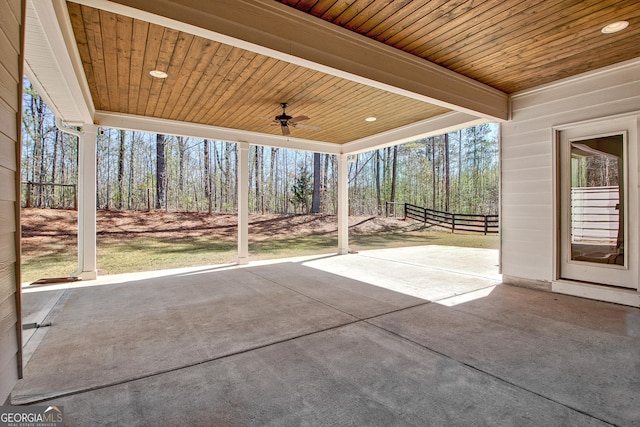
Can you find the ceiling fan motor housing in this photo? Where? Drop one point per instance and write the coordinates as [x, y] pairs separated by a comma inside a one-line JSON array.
[[284, 117]]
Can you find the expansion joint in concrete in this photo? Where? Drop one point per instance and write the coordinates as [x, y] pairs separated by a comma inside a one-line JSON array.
[[485, 372]]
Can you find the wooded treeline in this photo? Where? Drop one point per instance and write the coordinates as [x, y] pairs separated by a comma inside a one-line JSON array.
[[457, 172]]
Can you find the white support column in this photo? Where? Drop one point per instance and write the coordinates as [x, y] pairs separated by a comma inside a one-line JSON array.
[[87, 184], [343, 205], [243, 202]]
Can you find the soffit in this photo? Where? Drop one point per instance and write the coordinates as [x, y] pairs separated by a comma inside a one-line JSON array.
[[235, 61], [46, 69], [211, 83], [511, 45]]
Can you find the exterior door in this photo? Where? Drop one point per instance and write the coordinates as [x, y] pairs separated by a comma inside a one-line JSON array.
[[595, 213]]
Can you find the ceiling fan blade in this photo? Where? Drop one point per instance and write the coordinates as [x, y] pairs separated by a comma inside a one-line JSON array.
[[298, 119], [308, 127], [285, 130]]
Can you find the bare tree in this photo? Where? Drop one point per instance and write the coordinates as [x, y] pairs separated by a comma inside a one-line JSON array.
[[121, 151], [161, 189], [394, 174], [432, 172], [207, 174], [376, 171], [131, 171], [447, 183], [258, 179], [315, 199], [273, 180], [182, 148]]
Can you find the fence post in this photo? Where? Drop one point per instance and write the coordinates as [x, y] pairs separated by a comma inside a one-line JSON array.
[[424, 213], [486, 225], [453, 222], [75, 197], [405, 212], [386, 209]]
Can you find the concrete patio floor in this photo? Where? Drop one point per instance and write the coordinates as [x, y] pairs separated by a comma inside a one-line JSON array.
[[411, 336]]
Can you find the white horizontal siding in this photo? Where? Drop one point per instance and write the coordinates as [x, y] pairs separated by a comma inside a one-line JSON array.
[[7, 153], [533, 148], [533, 221], [527, 153], [10, 95], [523, 162], [572, 88], [527, 186], [528, 174]]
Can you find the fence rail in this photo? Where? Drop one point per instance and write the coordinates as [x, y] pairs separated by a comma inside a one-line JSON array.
[[453, 221], [49, 195]]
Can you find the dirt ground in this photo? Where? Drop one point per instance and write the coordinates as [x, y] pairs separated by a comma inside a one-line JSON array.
[[58, 227]]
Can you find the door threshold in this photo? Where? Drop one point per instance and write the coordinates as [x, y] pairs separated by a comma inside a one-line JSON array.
[[623, 296]]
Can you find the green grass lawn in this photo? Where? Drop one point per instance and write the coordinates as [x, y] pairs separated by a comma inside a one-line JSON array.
[[146, 254]]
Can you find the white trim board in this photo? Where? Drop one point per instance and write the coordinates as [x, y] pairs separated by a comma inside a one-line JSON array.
[[433, 126], [174, 127], [593, 291]]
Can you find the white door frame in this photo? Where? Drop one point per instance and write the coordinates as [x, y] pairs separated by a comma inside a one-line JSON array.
[[626, 123]]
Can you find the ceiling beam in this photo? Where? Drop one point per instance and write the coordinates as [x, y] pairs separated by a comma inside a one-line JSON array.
[[273, 29], [178, 128], [445, 123], [439, 125]]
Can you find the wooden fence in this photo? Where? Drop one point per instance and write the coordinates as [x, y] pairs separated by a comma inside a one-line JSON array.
[[453, 221], [595, 214], [49, 195]]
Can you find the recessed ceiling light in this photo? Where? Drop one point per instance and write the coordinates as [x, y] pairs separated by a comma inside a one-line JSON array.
[[615, 27], [158, 74], [370, 119]]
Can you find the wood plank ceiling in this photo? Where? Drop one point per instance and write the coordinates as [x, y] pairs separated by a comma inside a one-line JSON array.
[[215, 84], [510, 45]]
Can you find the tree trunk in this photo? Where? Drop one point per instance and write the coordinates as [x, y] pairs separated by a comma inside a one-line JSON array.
[[161, 189], [315, 199], [354, 195], [273, 180], [121, 152], [217, 170], [475, 170], [386, 171], [459, 170], [54, 161], [257, 174], [131, 171], [108, 200], [41, 151], [325, 182], [226, 196], [433, 173], [394, 174], [207, 175], [376, 171], [182, 147], [447, 184]]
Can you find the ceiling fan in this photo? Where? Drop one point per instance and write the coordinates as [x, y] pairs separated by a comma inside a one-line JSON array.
[[285, 121]]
